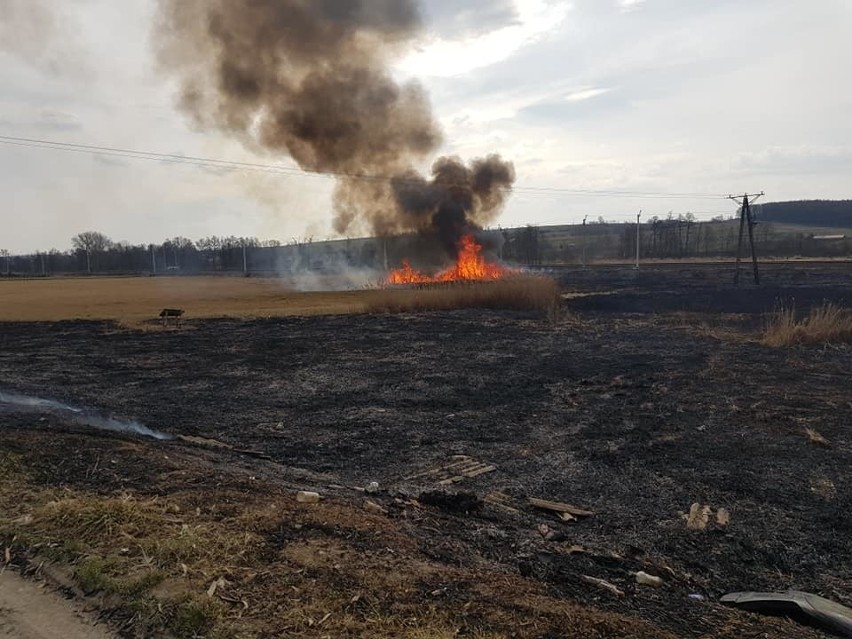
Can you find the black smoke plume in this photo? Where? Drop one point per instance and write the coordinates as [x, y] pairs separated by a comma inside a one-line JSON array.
[[310, 78]]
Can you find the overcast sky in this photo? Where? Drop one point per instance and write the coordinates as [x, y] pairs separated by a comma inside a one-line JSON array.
[[641, 96]]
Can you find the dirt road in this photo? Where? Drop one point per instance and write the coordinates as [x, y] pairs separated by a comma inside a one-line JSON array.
[[28, 611]]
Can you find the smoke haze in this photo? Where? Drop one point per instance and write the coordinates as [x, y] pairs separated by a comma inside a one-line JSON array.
[[311, 79]]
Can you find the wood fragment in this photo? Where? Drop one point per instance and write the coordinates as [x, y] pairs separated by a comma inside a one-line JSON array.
[[434, 471], [481, 471], [603, 585], [816, 438], [501, 500], [203, 441], [567, 517], [559, 507], [723, 517]]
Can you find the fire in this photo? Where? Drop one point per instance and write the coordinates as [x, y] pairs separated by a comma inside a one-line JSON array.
[[470, 265]]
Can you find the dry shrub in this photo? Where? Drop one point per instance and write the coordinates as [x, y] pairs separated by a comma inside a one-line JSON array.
[[533, 293], [826, 324]]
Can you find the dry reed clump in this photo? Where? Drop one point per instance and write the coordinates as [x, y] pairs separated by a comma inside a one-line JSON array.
[[826, 324], [533, 293]]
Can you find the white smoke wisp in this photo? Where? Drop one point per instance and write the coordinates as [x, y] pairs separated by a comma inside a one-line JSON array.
[[29, 404], [324, 267]]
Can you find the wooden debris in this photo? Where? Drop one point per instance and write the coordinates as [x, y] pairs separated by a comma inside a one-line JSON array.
[[816, 438], [373, 507], [203, 441], [698, 517], [723, 517], [603, 585], [559, 507], [502, 501], [462, 467], [218, 583]]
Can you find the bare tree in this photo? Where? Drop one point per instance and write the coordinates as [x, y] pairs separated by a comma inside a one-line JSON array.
[[91, 242]]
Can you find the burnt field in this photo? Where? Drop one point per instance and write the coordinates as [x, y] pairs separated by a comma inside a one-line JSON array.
[[652, 394]]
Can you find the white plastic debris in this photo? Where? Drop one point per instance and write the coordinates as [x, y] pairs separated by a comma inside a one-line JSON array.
[[645, 579], [372, 487]]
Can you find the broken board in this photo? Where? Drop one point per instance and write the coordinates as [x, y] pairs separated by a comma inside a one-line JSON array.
[[460, 467]]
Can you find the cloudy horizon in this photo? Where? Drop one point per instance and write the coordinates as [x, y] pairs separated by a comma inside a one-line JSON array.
[[616, 97]]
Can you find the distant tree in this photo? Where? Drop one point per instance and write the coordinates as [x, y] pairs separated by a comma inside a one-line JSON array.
[[92, 243], [529, 245]]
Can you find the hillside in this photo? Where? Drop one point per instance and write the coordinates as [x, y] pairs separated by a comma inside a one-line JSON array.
[[819, 213]]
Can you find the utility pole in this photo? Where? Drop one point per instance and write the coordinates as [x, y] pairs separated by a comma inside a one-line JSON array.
[[746, 218], [41, 255], [583, 243], [638, 229], [153, 260], [245, 263]]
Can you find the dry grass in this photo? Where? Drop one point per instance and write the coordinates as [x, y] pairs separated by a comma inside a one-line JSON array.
[[516, 293], [826, 324], [135, 301], [229, 563]]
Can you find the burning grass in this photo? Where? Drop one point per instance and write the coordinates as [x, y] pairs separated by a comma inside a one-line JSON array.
[[825, 324], [533, 293]]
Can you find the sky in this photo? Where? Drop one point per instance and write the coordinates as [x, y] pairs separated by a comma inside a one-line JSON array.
[[606, 108]]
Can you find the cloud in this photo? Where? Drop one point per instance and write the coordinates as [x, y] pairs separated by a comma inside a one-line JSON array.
[[630, 5], [450, 21], [579, 95], [42, 34], [800, 159], [445, 57]]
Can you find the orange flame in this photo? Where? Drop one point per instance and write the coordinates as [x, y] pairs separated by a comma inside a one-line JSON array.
[[470, 265]]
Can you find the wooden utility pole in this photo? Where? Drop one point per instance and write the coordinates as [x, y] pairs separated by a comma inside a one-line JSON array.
[[638, 235], [746, 218]]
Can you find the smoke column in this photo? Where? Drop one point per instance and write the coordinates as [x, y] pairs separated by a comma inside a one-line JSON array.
[[311, 79]]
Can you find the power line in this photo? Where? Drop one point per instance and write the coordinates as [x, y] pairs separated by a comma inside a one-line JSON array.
[[231, 165]]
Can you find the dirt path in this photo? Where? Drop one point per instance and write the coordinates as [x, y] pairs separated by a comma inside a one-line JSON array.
[[30, 612]]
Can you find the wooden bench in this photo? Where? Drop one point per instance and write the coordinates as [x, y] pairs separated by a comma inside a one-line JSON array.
[[169, 314]]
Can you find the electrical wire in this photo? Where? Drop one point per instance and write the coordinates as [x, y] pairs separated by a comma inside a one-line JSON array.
[[234, 165]]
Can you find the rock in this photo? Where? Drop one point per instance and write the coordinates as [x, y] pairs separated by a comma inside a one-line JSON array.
[[372, 487]]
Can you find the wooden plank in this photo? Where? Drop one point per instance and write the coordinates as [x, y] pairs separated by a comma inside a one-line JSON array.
[[603, 585], [481, 471], [559, 507], [434, 471]]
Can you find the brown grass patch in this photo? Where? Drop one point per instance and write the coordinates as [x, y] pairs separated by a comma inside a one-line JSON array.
[[516, 293], [135, 302], [132, 301], [826, 324]]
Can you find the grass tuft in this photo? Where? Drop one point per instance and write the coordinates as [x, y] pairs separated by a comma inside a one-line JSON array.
[[534, 293], [826, 324]]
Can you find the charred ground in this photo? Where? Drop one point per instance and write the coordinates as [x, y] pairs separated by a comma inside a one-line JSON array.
[[653, 395]]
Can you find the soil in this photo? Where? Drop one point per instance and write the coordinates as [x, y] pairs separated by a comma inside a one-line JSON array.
[[654, 394], [30, 612]]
